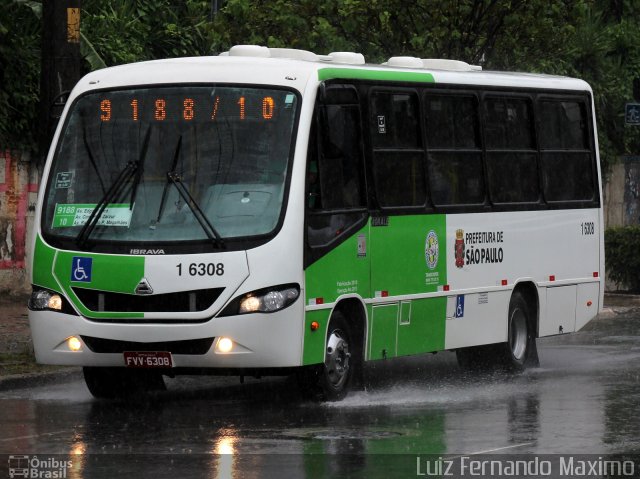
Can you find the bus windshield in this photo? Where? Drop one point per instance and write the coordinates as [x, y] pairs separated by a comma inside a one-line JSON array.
[[171, 164]]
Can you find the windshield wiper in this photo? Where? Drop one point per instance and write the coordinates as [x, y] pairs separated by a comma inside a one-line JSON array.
[[140, 169], [93, 160], [208, 228], [174, 163], [173, 177], [114, 192], [108, 197]]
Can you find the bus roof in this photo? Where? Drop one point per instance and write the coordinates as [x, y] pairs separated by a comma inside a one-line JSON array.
[[295, 68]]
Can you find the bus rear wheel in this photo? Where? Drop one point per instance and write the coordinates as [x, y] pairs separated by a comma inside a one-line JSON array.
[[517, 353], [519, 350], [119, 383]]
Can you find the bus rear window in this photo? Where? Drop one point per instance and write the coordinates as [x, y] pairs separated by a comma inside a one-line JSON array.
[[565, 151]]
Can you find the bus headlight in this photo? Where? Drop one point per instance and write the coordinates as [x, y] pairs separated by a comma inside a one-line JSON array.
[[268, 300], [46, 300], [43, 299]]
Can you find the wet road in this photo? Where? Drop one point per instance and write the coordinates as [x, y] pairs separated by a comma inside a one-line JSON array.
[[585, 398]]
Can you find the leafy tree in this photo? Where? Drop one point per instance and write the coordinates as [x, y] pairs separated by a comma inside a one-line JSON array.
[[604, 51], [499, 33], [19, 73], [125, 31], [622, 256], [596, 40]]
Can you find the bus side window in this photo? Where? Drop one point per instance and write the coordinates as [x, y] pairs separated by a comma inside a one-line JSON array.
[[340, 158], [334, 171], [512, 159], [398, 154], [565, 151], [454, 152]]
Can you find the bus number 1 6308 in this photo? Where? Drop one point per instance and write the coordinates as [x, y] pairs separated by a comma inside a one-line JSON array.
[[202, 269]]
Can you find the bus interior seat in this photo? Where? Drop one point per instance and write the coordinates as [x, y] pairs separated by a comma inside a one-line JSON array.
[[225, 204]]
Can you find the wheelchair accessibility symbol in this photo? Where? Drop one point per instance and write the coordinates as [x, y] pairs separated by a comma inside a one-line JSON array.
[[81, 269], [460, 306]]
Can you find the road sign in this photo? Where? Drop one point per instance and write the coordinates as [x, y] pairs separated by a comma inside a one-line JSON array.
[[632, 114]]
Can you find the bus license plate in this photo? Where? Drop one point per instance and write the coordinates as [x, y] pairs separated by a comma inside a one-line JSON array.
[[148, 359]]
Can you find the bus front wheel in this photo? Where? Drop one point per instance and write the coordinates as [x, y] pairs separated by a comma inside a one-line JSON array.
[[332, 380]]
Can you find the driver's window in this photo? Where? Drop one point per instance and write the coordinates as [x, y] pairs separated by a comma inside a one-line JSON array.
[[335, 171]]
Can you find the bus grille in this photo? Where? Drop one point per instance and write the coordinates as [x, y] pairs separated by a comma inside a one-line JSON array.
[[183, 302], [191, 346]]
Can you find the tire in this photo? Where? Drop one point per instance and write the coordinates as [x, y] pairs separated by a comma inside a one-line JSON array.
[[519, 351], [119, 383], [332, 380], [516, 354]]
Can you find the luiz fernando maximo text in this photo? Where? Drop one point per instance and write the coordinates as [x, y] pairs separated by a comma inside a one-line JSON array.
[[534, 466]]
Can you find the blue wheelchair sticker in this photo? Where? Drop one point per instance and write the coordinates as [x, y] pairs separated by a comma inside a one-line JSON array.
[[459, 306], [81, 269]]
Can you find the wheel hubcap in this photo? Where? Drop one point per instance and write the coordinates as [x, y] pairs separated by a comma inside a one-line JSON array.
[[337, 359], [518, 334]]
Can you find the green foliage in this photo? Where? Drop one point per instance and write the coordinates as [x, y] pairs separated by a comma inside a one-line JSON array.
[[125, 31], [622, 256], [500, 33], [604, 51], [89, 53], [19, 74], [596, 40]]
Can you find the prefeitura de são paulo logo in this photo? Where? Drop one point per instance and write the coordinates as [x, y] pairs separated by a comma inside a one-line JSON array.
[[431, 250], [459, 248]]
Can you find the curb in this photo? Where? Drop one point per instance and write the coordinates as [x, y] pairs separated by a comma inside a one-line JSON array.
[[28, 380], [630, 297], [606, 312]]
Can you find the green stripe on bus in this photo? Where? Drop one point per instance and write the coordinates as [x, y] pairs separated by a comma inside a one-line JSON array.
[[400, 256], [314, 346], [342, 271], [43, 257], [362, 74], [112, 273]]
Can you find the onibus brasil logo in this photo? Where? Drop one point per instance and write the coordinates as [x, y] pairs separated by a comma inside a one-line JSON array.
[[40, 468]]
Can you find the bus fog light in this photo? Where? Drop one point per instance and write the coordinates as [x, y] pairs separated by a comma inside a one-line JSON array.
[[74, 344], [224, 345]]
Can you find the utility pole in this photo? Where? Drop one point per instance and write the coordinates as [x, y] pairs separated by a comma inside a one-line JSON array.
[[61, 62]]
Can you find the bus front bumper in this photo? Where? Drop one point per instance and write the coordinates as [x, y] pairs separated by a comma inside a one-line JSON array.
[[256, 340]]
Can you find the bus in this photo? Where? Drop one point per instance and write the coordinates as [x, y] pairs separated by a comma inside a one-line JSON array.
[[18, 466], [279, 212]]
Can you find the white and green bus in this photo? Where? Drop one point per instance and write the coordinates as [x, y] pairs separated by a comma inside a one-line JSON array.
[[273, 211]]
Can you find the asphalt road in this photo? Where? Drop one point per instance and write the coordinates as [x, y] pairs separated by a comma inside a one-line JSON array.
[[584, 399]]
